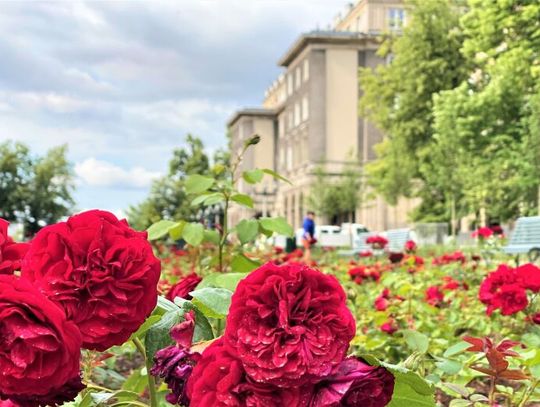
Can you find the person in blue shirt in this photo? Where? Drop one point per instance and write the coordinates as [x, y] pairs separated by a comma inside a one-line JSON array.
[[308, 238]]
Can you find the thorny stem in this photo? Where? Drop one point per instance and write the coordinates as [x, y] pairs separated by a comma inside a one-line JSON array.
[[148, 364]]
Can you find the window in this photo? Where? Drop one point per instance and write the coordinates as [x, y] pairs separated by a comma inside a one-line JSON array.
[[358, 24], [289, 84], [305, 108], [298, 79], [306, 70], [290, 120], [281, 126], [289, 158], [296, 114], [281, 157], [396, 18]]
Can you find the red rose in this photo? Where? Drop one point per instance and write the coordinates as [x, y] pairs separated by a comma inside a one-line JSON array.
[[410, 246], [289, 324], [354, 383], [219, 380], [434, 296], [183, 287], [389, 326], [503, 289], [536, 318], [103, 273], [529, 275], [39, 348], [11, 253]]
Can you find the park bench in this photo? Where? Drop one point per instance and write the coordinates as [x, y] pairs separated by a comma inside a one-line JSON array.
[[525, 238], [359, 245], [397, 239]]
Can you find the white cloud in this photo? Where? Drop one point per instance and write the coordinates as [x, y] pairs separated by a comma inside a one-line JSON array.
[[99, 173]]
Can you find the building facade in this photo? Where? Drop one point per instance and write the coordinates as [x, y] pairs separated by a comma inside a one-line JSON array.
[[310, 117]]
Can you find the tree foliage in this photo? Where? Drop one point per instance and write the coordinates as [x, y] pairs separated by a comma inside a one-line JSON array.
[[34, 190], [336, 196], [167, 198], [460, 104], [398, 97]]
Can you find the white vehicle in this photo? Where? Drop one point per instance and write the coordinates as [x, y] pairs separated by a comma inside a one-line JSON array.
[[332, 235]]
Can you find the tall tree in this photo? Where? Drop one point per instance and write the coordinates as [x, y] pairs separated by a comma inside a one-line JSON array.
[[167, 198], [34, 190], [398, 97], [490, 118]]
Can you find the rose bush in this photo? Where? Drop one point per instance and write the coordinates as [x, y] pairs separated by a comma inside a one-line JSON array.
[[100, 271]]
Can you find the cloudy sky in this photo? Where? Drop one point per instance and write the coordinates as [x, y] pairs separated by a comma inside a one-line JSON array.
[[123, 82]]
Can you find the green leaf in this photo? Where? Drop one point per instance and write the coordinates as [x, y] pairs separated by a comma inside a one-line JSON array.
[[164, 306], [227, 280], [151, 320], [195, 184], [200, 199], [244, 200], [203, 329], [214, 198], [456, 348], [241, 264], [247, 230], [253, 176], [211, 236], [278, 225], [416, 340], [175, 232], [213, 302], [409, 388], [193, 233], [136, 382], [158, 336], [160, 229], [448, 366], [276, 175]]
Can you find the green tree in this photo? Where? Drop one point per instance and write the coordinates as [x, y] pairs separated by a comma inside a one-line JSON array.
[[34, 190], [488, 121], [337, 196], [398, 97], [167, 199]]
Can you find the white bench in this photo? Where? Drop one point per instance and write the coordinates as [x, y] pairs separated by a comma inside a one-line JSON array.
[[359, 245], [397, 239], [525, 238]]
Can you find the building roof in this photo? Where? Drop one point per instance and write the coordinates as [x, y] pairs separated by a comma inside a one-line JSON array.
[[253, 112], [324, 37]]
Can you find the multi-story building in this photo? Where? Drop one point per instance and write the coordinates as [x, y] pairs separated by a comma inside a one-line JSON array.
[[310, 117]]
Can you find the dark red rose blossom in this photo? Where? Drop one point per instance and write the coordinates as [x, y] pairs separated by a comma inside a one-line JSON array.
[[395, 257], [529, 275], [183, 287], [354, 383], [450, 284], [502, 289], [175, 363], [103, 273], [289, 325], [219, 380], [11, 253], [39, 348], [381, 303], [536, 318]]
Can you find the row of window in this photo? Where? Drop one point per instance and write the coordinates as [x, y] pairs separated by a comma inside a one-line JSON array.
[[296, 77], [294, 116], [293, 155]]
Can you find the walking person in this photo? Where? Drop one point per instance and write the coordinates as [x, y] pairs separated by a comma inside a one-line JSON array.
[[308, 238]]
